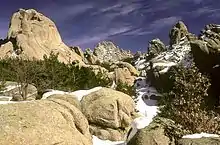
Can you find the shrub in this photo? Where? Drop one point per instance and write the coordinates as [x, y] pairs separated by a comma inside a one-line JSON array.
[[123, 87], [106, 65], [129, 60], [50, 74], [186, 103]]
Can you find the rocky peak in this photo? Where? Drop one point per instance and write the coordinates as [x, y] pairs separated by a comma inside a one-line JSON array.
[[106, 44], [178, 32], [34, 35], [107, 51]]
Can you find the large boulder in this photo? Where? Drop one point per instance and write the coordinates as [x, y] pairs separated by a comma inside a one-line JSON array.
[[106, 51], [33, 35], [43, 122], [199, 141], [178, 31], [161, 131], [13, 89], [131, 68], [123, 72], [123, 75], [109, 113]]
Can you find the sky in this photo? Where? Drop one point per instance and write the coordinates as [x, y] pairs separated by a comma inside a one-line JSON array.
[[130, 24]]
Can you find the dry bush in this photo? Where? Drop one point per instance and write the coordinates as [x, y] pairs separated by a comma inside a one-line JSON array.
[[186, 103]]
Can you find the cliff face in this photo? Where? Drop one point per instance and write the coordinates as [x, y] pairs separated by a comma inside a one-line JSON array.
[[33, 35]]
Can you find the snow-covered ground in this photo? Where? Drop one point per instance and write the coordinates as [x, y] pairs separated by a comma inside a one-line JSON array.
[[146, 106]]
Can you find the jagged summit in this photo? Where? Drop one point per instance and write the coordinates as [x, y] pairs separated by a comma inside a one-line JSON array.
[[33, 35], [107, 51], [161, 57]]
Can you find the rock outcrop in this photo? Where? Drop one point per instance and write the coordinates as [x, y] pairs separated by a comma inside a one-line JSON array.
[[155, 47], [79, 51], [208, 46], [106, 51], [178, 32], [109, 113], [43, 122], [123, 72], [33, 35], [160, 132], [206, 54], [90, 57]]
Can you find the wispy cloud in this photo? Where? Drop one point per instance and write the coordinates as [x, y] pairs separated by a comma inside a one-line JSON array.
[[159, 24], [137, 32], [119, 9], [155, 26], [204, 11], [68, 12], [108, 8], [99, 36]]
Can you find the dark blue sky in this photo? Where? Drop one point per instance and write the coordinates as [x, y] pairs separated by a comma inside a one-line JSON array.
[[128, 23]]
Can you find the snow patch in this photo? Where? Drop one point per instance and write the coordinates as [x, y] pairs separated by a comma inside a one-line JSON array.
[[6, 102], [81, 93], [200, 135], [10, 87], [53, 92], [97, 141], [6, 97], [12, 102]]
